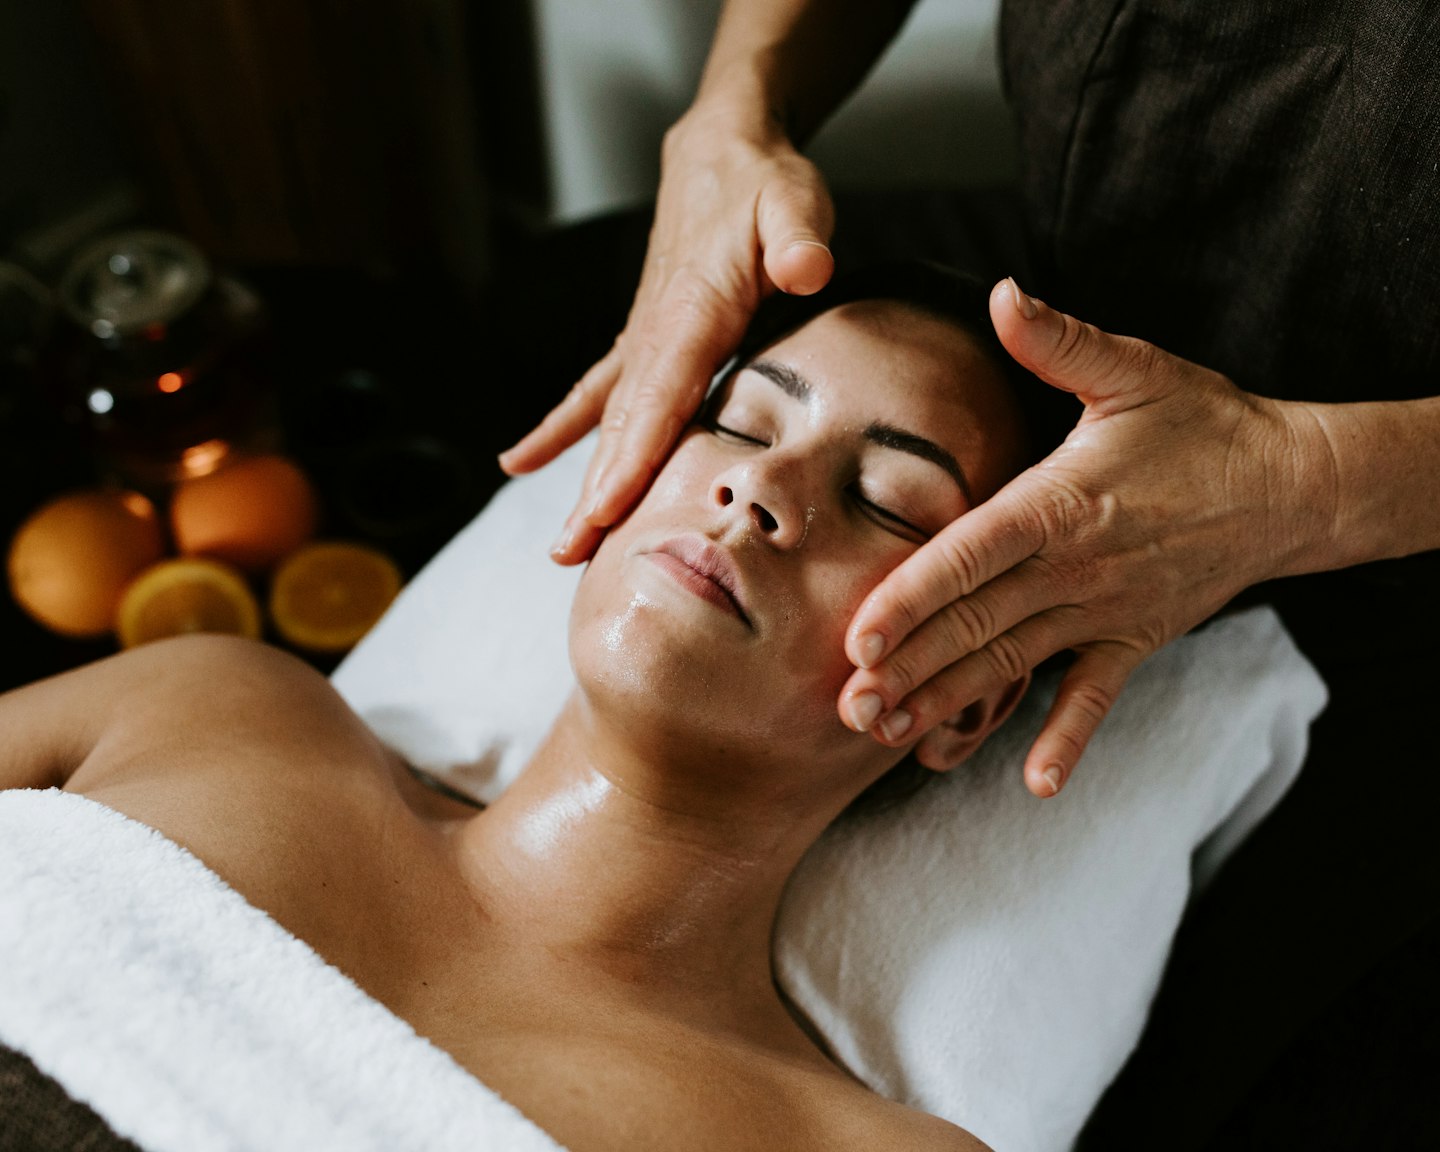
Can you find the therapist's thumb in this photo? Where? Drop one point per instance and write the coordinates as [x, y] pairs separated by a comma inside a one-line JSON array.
[[1097, 366], [794, 220]]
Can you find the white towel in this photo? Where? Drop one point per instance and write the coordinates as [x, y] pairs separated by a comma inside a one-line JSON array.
[[190, 1021], [990, 957]]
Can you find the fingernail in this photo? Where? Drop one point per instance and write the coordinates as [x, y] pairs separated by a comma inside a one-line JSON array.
[[1023, 304], [563, 541], [864, 708], [1052, 777], [894, 726], [871, 647]]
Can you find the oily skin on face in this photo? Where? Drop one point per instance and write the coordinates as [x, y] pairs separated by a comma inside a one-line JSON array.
[[813, 512]]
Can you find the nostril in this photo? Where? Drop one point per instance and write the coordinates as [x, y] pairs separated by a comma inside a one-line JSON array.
[[725, 496], [767, 522]]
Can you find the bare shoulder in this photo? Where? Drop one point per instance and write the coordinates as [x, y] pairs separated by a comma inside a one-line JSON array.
[[899, 1127], [236, 750], [178, 704], [66, 726], [933, 1133], [248, 758], [857, 1117]]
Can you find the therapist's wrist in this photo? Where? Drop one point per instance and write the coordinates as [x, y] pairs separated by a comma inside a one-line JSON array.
[[741, 103], [1320, 529], [1383, 465]]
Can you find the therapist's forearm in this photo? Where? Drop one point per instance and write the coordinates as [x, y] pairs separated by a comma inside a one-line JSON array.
[[793, 61], [1378, 473]]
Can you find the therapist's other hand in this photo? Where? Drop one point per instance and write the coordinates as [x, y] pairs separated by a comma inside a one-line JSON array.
[[1172, 494], [738, 214]]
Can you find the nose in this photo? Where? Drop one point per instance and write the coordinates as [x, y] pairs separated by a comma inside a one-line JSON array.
[[768, 493]]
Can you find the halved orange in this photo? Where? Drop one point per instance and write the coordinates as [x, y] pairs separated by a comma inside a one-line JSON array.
[[176, 597], [327, 595]]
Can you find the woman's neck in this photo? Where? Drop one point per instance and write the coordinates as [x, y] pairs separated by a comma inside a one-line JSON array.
[[642, 873]]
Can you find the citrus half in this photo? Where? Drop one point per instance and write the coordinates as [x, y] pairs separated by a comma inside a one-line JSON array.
[[176, 597], [327, 595]]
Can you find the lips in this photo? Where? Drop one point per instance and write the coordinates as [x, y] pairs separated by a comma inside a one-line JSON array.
[[706, 570]]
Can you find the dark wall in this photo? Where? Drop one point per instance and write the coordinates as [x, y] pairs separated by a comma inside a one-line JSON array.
[[59, 145]]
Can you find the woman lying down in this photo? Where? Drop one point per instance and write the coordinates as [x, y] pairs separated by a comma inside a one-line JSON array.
[[595, 946]]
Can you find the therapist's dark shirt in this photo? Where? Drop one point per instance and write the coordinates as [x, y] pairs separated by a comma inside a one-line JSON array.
[[1254, 186]]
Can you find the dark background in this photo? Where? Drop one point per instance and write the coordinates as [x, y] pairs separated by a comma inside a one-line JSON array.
[[372, 172]]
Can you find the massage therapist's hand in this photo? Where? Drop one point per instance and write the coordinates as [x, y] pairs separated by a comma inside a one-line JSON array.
[[1174, 492], [739, 213]]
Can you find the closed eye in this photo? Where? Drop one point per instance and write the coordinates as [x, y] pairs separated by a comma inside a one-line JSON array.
[[713, 425], [889, 518]]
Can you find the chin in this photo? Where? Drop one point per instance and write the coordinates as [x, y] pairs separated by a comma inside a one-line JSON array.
[[641, 659], [655, 656], [667, 684]]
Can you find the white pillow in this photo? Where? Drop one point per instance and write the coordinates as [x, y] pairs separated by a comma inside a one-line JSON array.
[[975, 952]]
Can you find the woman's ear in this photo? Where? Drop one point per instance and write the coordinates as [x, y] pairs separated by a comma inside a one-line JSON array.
[[952, 741]]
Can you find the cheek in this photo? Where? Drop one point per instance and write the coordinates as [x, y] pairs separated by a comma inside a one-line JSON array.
[[687, 473], [684, 482], [675, 486], [834, 591]]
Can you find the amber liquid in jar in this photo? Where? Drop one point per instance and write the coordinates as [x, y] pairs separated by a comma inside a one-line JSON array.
[[163, 367]]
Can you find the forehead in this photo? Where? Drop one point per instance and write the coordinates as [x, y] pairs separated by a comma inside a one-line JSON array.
[[888, 361], [885, 331]]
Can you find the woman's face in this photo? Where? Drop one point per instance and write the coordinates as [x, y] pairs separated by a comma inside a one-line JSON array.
[[717, 610]]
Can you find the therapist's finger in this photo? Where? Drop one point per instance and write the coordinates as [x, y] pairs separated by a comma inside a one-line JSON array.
[[641, 426], [974, 549], [1086, 695], [568, 421], [1000, 663], [799, 266], [1107, 371], [646, 413], [964, 626], [794, 220], [578, 539]]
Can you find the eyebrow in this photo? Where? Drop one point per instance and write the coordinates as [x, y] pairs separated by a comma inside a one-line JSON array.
[[888, 436], [783, 377], [885, 435]]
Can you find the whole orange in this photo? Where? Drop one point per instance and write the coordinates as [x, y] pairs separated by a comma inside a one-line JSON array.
[[250, 513], [70, 561]]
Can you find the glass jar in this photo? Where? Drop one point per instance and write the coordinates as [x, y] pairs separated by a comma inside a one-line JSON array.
[[163, 364]]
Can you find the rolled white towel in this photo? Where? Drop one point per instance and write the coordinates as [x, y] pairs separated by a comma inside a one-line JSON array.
[[190, 1021]]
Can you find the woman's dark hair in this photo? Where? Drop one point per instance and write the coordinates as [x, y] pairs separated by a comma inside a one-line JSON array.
[[946, 293]]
